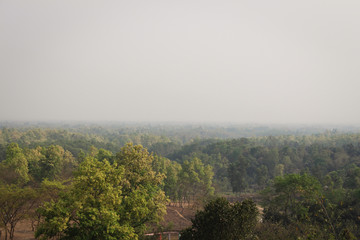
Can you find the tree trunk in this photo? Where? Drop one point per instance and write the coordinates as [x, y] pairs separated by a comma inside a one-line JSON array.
[[6, 232], [12, 231]]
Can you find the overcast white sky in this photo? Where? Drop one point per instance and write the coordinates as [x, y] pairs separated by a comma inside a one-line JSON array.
[[247, 61]]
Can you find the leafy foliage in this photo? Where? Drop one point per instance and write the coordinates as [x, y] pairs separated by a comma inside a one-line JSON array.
[[106, 201], [15, 166], [321, 204], [290, 197], [15, 204], [221, 220]]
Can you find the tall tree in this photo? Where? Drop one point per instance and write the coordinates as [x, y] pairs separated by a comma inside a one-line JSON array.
[[15, 204], [106, 201], [195, 180]]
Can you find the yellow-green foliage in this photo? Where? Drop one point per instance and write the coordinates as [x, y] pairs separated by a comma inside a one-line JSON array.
[[107, 201]]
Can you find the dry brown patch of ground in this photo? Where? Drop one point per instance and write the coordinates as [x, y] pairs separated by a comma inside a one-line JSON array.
[[22, 231], [178, 218]]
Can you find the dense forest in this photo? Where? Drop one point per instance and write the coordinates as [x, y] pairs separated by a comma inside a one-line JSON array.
[[113, 181]]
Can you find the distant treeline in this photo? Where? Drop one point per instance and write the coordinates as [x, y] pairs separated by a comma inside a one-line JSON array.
[[251, 163], [164, 138], [239, 164]]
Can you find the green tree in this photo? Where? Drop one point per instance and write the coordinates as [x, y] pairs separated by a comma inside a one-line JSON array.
[[48, 191], [221, 220], [104, 154], [106, 201], [171, 171], [238, 175], [15, 167], [296, 201], [34, 157], [290, 197], [56, 163], [195, 180], [171, 182], [15, 204], [141, 187], [352, 180]]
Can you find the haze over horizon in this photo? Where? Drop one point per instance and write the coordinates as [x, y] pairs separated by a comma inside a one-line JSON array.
[[184, 61]]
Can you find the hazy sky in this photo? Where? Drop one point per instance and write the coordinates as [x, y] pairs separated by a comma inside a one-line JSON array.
[[248, 61]]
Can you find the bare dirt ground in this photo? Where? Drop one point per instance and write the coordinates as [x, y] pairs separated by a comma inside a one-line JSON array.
[[177, 218], [22, 231]]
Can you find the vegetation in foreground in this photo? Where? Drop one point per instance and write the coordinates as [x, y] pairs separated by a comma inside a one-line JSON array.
[[309, 185]]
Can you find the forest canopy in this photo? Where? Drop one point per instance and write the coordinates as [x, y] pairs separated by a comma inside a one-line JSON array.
[[75, 182]]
